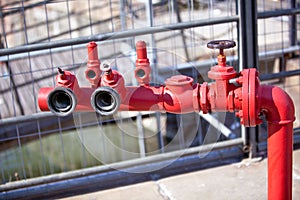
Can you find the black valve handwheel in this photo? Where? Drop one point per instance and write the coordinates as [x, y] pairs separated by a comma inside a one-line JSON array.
[[221, 44]]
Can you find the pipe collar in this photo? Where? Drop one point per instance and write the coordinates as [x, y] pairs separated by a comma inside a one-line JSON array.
[[62, 101], [105, 101]]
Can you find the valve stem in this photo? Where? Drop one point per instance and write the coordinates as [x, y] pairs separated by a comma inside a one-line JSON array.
[[221, 52]]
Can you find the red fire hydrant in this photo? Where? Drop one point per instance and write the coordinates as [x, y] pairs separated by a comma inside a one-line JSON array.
[[235, 92]]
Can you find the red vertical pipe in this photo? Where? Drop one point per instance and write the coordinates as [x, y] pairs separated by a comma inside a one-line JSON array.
[[279, 110], [141, 50], [280, 151], [92, 51], [93, 72]]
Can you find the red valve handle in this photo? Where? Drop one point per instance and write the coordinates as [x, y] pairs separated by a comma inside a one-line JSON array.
[[221, 44]]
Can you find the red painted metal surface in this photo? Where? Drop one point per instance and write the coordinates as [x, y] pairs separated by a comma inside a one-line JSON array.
[[279, 110], [93, 72], [231, 91], [142, 71]]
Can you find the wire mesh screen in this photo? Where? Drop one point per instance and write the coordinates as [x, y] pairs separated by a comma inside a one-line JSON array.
[[278, 49], [39, 36], [37, 147]]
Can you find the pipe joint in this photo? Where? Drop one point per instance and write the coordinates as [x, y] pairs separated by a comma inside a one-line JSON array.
[[66, 79], [203, 98], [113, 79], [276, 104], [279, 110], [178, 94]]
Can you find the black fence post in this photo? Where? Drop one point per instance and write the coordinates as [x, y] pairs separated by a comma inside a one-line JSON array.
[[248, 58]]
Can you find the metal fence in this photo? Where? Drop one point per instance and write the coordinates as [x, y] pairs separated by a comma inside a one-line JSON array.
[[39, 36]]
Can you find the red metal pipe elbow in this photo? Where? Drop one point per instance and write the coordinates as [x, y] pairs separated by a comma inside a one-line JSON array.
[[280, 114], [276, 104]]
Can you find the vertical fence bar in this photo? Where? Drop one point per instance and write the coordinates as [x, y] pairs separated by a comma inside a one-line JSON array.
[[123, 15], [293, 25], [150, 21], [248, 58], [141, 135]]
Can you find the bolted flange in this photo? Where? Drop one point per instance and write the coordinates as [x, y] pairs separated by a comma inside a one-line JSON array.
[[250, 110]]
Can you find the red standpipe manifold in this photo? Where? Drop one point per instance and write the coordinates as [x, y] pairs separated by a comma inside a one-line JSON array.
[[231, 91]]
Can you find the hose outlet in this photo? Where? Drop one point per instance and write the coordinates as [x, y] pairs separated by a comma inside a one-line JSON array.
[[105, 101], [62, 101]]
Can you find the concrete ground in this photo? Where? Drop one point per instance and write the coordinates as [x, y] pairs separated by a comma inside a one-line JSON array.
[[244, 180]]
